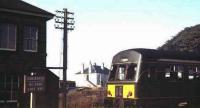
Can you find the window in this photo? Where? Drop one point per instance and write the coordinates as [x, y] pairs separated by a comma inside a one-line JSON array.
[[192, 71], [9, 85], [167, 74], [146, 73], [98, 79], [168, 71], [131, 72], [30, 38], [197, 73], [7, 36], [180, 70], [172, 71], [123, 72], [113, 72], [122, 69], [161, 72], [87, 77]]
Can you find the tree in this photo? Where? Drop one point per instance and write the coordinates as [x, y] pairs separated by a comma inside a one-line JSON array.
[[186, 40]]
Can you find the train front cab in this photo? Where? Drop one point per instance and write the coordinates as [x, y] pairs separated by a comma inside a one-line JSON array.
[[121, 86]]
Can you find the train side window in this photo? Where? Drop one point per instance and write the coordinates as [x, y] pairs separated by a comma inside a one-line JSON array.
[[168, 71], [190, 76], [113, 72], [179, 75], [185, 73], [131, 71], [174, 72], [167, 74], [191, 71], [148, 74], [152, 74], [177, 71], [145, 75], [197, 73], [160, 73], [180, 70]]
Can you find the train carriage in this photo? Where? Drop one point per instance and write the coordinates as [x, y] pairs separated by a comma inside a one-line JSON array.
[[148, 78]]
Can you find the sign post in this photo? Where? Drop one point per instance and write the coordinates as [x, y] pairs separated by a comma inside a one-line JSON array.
[[32, 100], [33, 84]]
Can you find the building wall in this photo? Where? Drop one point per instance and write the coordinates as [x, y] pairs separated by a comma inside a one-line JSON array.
[[49, 98], [18, 63], [81, 80], [98, 79], [93, 78], [20, 56]]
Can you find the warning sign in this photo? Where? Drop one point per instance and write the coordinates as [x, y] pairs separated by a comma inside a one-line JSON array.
[[34, 84]]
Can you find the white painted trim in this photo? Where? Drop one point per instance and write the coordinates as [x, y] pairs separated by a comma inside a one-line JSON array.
[[31, 100], [125, 63], [8, 49], [138, 68], [30, 50], [8, 101], [12, 101], [179, 61]]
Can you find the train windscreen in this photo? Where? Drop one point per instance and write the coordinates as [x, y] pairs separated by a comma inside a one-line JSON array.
[[123, 72]]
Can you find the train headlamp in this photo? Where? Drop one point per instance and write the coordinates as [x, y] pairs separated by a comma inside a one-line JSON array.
[[124, 60]]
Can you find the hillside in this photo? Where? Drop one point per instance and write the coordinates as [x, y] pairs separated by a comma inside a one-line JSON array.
[[186, 40]]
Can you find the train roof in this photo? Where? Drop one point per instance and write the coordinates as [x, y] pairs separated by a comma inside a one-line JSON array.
[[152, 54]]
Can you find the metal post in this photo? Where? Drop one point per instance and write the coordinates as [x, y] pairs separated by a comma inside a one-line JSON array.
[[31, 100], [66, 26], [65, 58]]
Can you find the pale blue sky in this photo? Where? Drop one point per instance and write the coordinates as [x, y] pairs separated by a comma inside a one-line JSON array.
[[105, 27]]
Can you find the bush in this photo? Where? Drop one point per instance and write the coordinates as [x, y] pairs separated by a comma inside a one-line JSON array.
[[85, 99]]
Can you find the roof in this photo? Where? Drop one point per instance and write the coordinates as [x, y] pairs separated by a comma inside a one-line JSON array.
[[95, 69], [86, 71], [21, 7], [132, 54], [99, 69]]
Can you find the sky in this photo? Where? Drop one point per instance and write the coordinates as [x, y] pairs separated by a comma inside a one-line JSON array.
[[105, 27]]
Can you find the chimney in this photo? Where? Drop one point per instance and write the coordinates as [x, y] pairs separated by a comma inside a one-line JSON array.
[[102, 67], [83, 67], [90, 67]]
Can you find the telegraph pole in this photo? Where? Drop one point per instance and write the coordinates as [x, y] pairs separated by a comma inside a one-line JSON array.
[[64, 21]]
